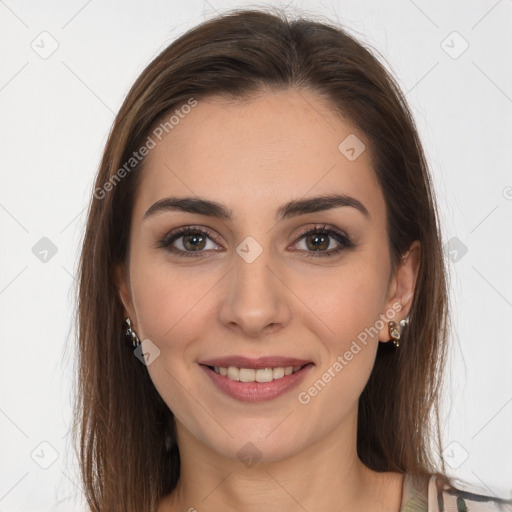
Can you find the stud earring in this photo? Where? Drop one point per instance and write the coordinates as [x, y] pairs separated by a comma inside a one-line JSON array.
[[131, 337], [396, 331]]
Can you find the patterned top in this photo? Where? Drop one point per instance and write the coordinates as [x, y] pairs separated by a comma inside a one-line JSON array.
[[427, 495]]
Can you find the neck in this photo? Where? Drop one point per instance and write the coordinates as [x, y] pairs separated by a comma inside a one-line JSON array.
[[327, 475]]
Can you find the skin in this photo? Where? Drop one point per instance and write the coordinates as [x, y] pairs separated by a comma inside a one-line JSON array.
[[253, 157]]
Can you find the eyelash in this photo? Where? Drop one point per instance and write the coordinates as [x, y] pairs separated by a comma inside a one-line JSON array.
[[343, 240]]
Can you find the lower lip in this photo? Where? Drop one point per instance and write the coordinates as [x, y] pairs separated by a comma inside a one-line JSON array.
[[257, 391]]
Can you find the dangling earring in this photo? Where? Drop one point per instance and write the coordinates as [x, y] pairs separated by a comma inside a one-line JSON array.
[[131, 338], [395, 332]]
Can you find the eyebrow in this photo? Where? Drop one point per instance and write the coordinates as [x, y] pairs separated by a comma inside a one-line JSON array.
[[291, 209]]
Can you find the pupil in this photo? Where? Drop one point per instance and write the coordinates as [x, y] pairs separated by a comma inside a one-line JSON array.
[[318, 243], [193, 239]]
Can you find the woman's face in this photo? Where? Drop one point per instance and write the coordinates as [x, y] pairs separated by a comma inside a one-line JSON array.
[[254, 286]]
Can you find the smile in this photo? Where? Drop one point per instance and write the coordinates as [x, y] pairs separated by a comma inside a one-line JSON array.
[[256, 384], [255, 375]]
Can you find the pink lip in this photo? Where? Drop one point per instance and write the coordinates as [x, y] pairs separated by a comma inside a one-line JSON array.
[[257, 391], [256, 363]]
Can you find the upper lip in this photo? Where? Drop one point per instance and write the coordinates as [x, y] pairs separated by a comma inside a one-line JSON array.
[[256, 363]]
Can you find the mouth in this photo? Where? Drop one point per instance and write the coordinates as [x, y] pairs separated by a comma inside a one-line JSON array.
[[256, 380], [255, 374]]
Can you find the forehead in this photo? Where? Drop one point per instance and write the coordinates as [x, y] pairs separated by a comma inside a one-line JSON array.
[[277, 146]]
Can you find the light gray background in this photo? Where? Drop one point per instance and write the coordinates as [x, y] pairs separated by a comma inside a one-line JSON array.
[[56, 113]]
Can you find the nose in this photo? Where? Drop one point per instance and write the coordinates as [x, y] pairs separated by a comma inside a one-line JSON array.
[[256, 300]]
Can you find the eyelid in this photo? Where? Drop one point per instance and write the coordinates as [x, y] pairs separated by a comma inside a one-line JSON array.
[[321, 228]]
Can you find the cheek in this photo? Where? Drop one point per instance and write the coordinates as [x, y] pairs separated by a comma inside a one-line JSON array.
[[344, 311], [346, 301], [168, 298], [171, 309]]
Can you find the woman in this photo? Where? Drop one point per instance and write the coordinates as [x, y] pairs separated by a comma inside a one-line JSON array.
[[263, 234]]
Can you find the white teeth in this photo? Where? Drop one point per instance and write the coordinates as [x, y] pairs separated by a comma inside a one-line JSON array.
[[247, 375], [278, 373], [264, 375], [253, 375], [233, 373]]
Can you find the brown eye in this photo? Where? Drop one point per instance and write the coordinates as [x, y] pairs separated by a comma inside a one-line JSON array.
[[319, 239], [193, 242], [188, 242]]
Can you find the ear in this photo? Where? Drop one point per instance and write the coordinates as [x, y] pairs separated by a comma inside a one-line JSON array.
[[401, 288], [124, 290]]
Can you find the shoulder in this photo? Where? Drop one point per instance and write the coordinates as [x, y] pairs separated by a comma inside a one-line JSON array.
[[431, 494], [442, 497]]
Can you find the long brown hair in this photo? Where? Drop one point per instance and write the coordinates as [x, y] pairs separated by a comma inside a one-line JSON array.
[[125, 433]]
